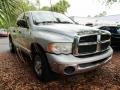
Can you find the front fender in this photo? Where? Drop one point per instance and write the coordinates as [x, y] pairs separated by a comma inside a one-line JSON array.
[[43, 39]]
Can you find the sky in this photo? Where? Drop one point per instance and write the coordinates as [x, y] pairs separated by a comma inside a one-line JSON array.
[[83, 8]]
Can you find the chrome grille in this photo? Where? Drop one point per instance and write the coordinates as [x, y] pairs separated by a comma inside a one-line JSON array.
[[105, 37], [86, 45], [87, 48], [105, 45], [91, 38]]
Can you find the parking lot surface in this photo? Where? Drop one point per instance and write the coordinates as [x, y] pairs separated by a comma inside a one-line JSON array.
[[15, 74]]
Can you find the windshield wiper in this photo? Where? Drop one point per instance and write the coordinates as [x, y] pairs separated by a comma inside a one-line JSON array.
[[45, 22], [49, 22], [66, 22]]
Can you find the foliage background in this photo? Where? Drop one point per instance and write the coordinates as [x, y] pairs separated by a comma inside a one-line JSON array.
[[10, 9]]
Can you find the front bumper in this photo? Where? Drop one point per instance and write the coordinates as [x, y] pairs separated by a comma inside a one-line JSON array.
[[58, 63]]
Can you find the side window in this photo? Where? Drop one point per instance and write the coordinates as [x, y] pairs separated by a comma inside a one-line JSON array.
[[19, 18], [22, 21]]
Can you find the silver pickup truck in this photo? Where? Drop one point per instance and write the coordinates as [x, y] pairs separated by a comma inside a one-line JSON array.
[[57, 44]]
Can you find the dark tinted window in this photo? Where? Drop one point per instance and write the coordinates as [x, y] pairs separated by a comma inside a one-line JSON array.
[[111, 29], [103, 28]]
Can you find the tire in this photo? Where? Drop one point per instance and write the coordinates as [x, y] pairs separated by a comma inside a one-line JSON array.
[[12, 46], [40, 65]]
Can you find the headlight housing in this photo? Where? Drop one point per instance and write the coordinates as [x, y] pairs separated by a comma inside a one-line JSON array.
[[60, 48]]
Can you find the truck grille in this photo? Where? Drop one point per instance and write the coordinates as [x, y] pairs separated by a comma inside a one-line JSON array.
[[86, 48], [87, 45], [91, 38], [105, 45], [105, 37]]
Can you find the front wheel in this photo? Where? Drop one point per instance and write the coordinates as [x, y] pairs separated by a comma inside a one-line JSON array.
[[41, 66]]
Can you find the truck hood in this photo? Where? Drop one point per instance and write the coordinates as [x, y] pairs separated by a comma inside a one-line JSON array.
[[66, 31]]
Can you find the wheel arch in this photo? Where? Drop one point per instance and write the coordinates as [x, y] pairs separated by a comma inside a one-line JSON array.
[[36, 45], [47, 69]]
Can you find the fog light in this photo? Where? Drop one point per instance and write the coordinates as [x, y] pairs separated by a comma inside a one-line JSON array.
[[69, 70]]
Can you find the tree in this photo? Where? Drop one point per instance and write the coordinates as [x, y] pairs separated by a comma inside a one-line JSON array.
[[38, 3], [46, 8], [10, 9], [6, 9], [109, 2], [60, 7], [101, 14], [2, 18]]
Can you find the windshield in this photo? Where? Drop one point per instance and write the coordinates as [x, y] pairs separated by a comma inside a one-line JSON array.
[[50, 17]]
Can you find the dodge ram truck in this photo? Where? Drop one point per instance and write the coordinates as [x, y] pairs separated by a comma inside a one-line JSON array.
[[55, 43]]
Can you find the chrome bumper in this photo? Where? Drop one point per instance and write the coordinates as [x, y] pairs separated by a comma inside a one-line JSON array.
[[58, 63]]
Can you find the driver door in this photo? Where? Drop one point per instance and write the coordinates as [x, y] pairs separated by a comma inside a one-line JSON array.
[[25, 34]]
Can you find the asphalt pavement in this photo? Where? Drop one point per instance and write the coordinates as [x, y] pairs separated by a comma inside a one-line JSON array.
[[4, 44]]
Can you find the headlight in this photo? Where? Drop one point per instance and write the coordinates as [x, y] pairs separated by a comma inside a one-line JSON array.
[[60, 48]]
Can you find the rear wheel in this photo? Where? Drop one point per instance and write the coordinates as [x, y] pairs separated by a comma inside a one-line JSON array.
[[41, 66]]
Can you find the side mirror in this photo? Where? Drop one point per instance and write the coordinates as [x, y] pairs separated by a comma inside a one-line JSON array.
[[22, 23]]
